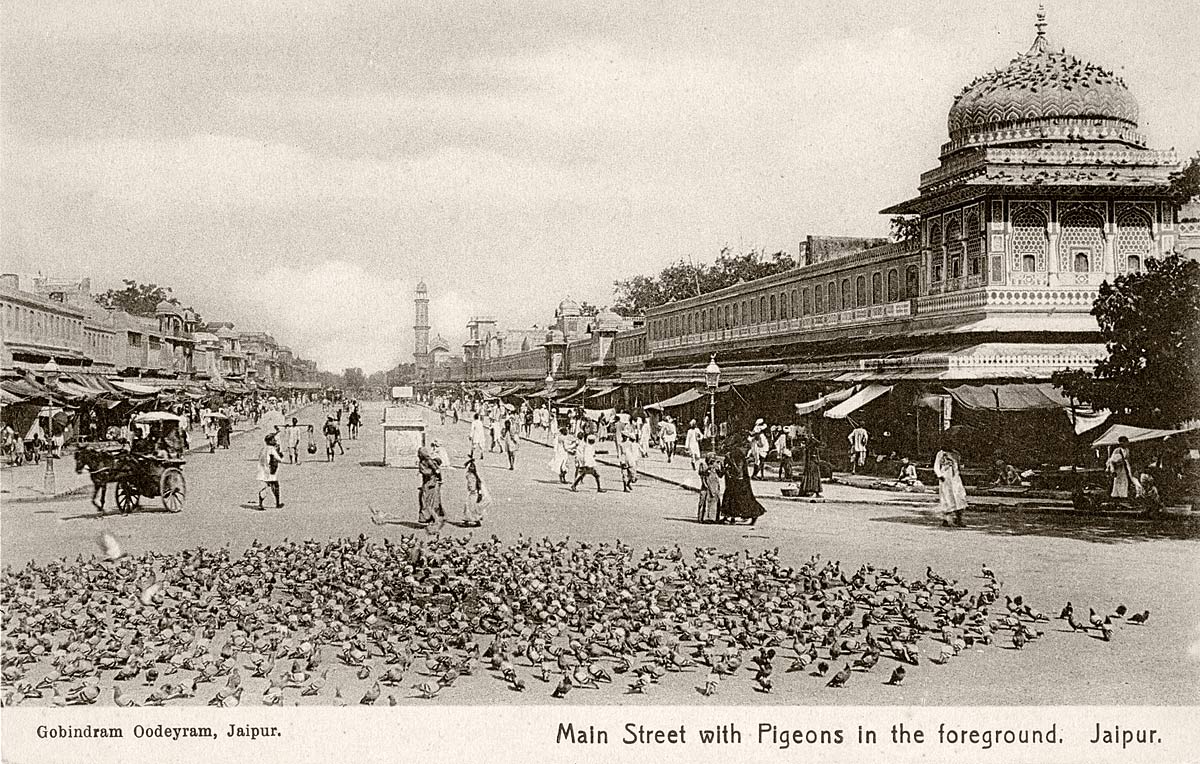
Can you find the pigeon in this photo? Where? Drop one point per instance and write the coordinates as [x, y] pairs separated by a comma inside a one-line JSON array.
[[1095, 619], [109, 545], [150, 592], [428, 690], [1140, 618], [897, 676], [822, 668], [839, 679], [564, 686], [371, 695], [121, 699]]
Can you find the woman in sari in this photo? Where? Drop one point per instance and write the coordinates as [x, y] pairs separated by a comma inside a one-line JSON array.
[[811, 485], [478, 499], [738, 501], [561, 462], [429, 495], [952, 496], [1118, 466]]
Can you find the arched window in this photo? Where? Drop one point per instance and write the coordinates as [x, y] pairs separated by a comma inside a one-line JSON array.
[[806, 306], [912, 282], [818, 299], [893, 285], [1081, 263], [1134, 264], [847, 295], [762, 309], [860, 291], [831, 296], [727, 323], [1133, 239], [754, 311], [773, 314], [1082, 233], [876, 288], [1029, 240]]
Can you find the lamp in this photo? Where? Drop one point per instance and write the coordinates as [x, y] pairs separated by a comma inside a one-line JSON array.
[[712, 379], [51, 371]]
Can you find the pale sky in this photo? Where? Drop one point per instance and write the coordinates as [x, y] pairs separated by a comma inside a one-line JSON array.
[[297, 167]]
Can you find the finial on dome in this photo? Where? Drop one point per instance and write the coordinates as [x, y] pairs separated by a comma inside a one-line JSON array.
[[1039, 42]]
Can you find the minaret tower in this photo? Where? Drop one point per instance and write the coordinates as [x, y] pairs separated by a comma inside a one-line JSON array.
[[421, 332]]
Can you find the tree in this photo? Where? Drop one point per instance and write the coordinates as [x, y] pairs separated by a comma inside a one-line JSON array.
[[353, 379], [684, 278], [906, 229], [588, 310], [136, 299], [1151, 326], [1185, 182]]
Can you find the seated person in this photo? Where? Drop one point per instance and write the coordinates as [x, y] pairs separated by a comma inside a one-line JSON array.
[[1150, 495], [908, 475], [1004, 473]]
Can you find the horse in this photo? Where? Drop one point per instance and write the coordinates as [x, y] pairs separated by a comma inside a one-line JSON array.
[[101, 467]]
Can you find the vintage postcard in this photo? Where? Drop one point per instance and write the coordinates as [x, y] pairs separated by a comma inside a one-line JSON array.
[[557, 381]]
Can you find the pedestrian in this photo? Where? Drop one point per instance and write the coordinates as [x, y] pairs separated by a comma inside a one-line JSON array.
[[739, 501], [1122, 472], [331, 433], [511, 441], [586, 464], [691, 442], [812, 464], [952, 496], [477, 437], [210, 434], [628, 459], [354, 422], [710, 470], [294, 435], [564, 454], [478, 498], [783, 447], [858, 447], [757, 452], [497, 432], [269, 459], [429, 496], [667, 435], [224, 431]]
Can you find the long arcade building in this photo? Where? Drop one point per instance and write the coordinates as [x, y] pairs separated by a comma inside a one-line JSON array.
[[1044, 190]]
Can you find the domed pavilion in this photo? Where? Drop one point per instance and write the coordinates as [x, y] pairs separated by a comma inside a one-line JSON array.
[[1045, 183]]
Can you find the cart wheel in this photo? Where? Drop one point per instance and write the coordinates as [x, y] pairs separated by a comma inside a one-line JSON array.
[[127, 497], [173, 489]]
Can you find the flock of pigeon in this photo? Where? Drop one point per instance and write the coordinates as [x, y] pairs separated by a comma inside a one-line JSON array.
[[424, 616]]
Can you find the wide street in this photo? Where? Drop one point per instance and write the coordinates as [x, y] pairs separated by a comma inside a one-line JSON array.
[[1047, 557]]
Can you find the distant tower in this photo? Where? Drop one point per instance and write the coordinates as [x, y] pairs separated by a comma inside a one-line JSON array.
[[421, 332]]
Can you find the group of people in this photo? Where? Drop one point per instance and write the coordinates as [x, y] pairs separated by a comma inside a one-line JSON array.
[[432, 460]]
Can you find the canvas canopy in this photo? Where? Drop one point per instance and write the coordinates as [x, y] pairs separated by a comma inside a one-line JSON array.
[[822, 401], [1139, 434], [677, 400], [857, 401], [1010, 397]]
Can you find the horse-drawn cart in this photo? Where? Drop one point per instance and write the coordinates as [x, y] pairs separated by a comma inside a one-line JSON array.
[[149, 468]]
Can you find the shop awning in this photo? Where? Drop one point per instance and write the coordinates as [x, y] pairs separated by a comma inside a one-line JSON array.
[[1017, 396], [677, 400], [134, 388], [857, 401], [8, 398], [823, 401], [1140, 434], [574, 395], [604, 391]]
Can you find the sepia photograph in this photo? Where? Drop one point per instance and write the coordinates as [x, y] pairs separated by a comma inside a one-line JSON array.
[[600, 380]]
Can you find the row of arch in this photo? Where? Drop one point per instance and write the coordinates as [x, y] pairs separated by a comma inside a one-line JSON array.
[[1081, 240], [799, 302]]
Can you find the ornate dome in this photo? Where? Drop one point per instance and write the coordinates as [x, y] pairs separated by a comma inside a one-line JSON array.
[[421, 287], [1044, 94], [166, 307], [568, 307]]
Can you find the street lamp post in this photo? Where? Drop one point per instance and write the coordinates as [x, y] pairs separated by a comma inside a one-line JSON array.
[[50, 374], [712, 378], [552, 425]]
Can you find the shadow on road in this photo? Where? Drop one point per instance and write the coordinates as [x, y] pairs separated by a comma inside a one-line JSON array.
[[1097, 529]]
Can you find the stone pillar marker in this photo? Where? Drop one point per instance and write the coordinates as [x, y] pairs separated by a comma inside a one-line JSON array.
[[403, 435]]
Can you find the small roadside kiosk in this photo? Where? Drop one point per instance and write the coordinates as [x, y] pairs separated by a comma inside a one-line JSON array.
[[403, 430]]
